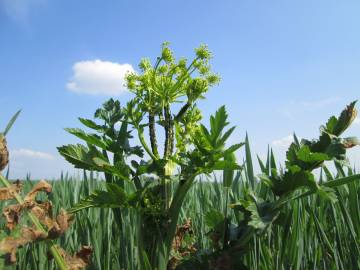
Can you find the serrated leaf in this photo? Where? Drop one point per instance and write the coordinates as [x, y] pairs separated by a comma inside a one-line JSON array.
[[226, 165], [89, 159], [213, 218], [91, 124], [304, 154], [345, 119], [113, 197], [88, 138]]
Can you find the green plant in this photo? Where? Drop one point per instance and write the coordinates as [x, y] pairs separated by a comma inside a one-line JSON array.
[[189, 149], [259, 210]]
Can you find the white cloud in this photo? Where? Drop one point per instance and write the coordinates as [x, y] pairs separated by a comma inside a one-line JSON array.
[[19, 153], [99, 77], [283, 142], [39, 165]]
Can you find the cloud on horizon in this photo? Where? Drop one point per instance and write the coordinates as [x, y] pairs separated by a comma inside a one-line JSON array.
[[99, 77], [20, 153], [283, 142], [40, 165]]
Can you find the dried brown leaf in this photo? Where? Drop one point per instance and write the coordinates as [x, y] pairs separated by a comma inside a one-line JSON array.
[[79, 261], [43, 211], [178, 246], [63, 221], [4, 153], [9, 244], [42, 185], [8, 193], [181, 231], [12, 214]]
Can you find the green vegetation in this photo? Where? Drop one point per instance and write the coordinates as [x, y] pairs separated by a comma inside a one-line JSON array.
[[316, 235], [163, 207]]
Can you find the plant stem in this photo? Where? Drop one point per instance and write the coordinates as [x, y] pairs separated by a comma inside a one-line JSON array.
[[53, 249], [152, 133], [182, 111], [169, 132], [144, 144]]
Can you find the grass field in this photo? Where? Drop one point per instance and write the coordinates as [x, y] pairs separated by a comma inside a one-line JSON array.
[[317, 234]]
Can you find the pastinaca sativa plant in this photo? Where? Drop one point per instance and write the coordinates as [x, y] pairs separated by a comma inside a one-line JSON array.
[[264, 207], [153, 178]]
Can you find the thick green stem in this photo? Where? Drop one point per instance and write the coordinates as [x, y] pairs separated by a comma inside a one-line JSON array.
[[226, 222], [144, 144], [152, 134], [167, 115], [52, 247], [174, 212]]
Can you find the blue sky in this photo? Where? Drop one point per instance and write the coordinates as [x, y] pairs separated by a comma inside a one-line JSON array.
[[285, 65]]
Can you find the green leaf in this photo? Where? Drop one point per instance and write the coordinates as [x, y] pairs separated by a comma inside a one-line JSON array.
[[217, 123], [226, 165], [80, 156], [233, 148], [114, 197], [330, 184], [336, 126], [293, 179], [92, 139], [228, 174], [249, 164], [91, 124], [304, 154], [11, 122], [213, 218], [261, 215], [90, 159]]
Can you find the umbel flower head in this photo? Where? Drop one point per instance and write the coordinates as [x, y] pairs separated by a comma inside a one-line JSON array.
[[4, 153]]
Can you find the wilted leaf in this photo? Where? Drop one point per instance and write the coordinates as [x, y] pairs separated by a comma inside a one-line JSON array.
[[43, 212], [9, 244], [42, 185], [80, 260], [4, 153], [8, 193], [12, 215], [62, 223]]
